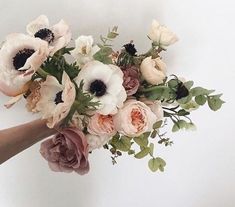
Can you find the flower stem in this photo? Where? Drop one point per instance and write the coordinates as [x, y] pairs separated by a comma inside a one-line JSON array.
[[42, 73]]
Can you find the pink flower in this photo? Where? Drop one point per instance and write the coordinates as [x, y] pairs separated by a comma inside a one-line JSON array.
[[131, 80], [101, 125], [134, 119], [67, 151]]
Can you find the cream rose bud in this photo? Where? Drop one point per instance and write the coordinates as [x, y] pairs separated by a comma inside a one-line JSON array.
[[134, 119], [153, 70], [161, 35]]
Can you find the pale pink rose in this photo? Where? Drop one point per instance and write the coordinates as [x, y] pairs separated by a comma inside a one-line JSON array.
[[101, 125], [67, 151], [131, 80], [134, 119], [155, 106]]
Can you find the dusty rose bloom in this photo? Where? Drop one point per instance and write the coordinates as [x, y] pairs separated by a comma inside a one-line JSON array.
[[34, 96], [131, 80], [67, 151]]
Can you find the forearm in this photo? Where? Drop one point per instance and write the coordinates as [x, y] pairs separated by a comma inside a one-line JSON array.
[[19, 138]]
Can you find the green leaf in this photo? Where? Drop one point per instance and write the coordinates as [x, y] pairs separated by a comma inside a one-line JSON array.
[[156, 163], [173, 83], [215, 102], [200, 100], [151, 147], [185, 100], [182, 112], [141, 140], [192, 105], [144, 152], [131, 152], [175, 127], [103, 55], [153, 164], [182, 124], [200, 91], [157, 125], [188, 84], [123, 144], [154, 134]]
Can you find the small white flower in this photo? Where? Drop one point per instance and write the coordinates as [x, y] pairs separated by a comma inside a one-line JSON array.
[[20, 57], [153, 70], [161, 35], [96, 142], [58, 36], [84, 50], [105, 83], [56, 99]]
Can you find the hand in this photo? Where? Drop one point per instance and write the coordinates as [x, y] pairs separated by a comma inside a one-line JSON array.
[[16, 139]]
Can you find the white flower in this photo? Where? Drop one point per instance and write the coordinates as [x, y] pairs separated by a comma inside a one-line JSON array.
[[84, 50], [56, 99], [161, 35], [58, 36], [105, 83], [134, 119], [96, 142], [20, 57], [153, 70]]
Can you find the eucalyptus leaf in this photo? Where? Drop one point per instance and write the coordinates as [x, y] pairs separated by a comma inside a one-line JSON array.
[[201, 99], [215, 102], [157, 125], [144, 152], [123, 144], [153, 164]]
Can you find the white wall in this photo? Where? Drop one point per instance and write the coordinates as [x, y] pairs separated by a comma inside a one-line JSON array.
[[200, 166]]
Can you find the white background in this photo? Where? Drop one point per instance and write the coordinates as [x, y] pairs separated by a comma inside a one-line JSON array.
[[200, 168]]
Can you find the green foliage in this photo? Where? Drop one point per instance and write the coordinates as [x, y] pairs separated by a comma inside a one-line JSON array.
[[103, 55], [121, 143], [82, 105], [144, 152], [156, 164], [56, 64], [215, 102]]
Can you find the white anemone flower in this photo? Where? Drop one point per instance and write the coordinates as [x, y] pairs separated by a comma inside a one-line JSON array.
[[58, 35], [105, 83], [56, 99], [84, 50], [20, 57]]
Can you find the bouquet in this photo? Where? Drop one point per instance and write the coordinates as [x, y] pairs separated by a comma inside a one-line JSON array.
[[116, 100]]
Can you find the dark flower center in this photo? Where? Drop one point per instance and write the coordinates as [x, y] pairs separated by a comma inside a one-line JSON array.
[[21, 57], [58, 98], [182, 91], [130, 49], [98, 88], [45, 34]]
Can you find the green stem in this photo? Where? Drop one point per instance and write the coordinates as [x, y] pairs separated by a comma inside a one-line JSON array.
[[42, 73], [151, 88]]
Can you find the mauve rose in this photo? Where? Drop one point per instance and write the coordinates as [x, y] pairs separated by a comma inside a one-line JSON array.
[[67, 151], [131, 81]]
